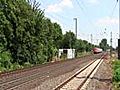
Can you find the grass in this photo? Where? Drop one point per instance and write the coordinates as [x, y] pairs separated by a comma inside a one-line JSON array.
[[83, 54], [116, 74]]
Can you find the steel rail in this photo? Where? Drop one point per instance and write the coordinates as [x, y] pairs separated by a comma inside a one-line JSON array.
[[81, 70]]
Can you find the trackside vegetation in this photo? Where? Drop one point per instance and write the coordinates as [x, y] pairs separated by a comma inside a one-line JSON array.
[[116, 74], [28, 38]]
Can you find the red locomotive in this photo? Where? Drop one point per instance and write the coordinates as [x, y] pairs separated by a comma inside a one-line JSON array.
[[97, 50]]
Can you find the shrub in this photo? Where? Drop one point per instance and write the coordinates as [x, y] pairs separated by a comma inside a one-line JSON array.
[[116, 71]]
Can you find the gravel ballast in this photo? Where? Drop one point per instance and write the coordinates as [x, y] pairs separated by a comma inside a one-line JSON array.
[[102, 80]]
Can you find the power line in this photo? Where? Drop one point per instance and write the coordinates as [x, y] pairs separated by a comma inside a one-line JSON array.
[[79, 5], [83, 4], [89, 21], [113, 10]]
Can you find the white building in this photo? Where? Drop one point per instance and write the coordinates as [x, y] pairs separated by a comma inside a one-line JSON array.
[[70, 53]]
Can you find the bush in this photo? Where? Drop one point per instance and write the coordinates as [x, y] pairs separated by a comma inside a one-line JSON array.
[[15, 66], [116, 71], [116, 75], [27, 64], [5, 61]]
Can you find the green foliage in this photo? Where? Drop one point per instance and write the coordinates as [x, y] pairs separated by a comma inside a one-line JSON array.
[[103, 44], [116, 64], [116, 68], [69, 40], [16, 66], [5, 59], [57, 36], [116, 74], [83, 46], [27, 64], [27, 37], [81, 54], [80, 46]]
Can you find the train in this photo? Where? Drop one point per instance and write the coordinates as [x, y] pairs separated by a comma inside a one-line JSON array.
[[97, 50]]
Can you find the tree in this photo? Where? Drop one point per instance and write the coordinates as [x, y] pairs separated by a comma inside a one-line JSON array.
[[5, 59], [28, 37], [57, 36], [69, 40], [80, 46], [103, 44], [21, 26]]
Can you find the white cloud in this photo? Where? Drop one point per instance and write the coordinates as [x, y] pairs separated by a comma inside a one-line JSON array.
[[59, 6], [108, 21]]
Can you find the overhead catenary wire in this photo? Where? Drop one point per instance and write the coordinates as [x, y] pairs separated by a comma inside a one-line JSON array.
[[112, 13], [113, 10], [83, 4], [83, 10], [80, 5]]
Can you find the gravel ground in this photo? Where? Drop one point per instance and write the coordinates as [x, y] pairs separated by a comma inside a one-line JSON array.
[[47, 76], [102, 80], [52, 83]]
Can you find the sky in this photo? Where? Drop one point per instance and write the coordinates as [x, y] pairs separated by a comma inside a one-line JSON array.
[[96, 17]]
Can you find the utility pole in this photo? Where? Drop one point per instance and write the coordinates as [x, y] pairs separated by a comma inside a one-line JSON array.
[[75, 34], [91, 38], [111, 44], [75, 26], [97, 41], [119, 33], [70, 41]]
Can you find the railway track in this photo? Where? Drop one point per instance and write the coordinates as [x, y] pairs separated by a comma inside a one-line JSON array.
[[80, 79], [18, 80]]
